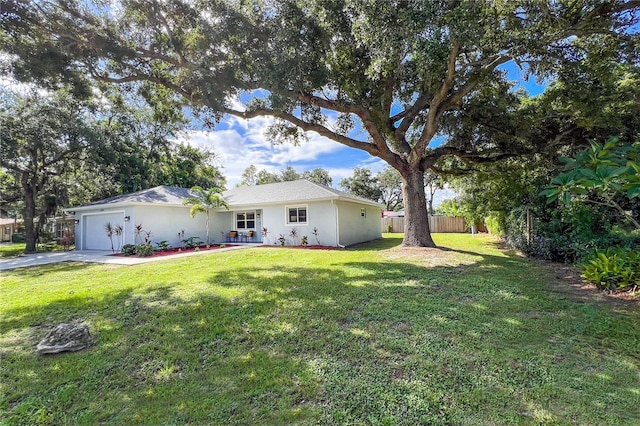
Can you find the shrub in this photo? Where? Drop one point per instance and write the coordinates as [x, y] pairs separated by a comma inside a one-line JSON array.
[[494, 225], [614, 269], [144, 250], [128, 250], [191, 242], [163, 245], [49, 246], [566, 235]]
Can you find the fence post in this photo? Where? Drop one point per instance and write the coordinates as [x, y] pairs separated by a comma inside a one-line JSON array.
[[529, 225]]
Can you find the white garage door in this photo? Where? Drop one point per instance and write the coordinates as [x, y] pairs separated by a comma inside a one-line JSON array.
[[95, 237]]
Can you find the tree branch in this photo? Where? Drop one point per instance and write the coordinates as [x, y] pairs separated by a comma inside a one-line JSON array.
[[473, 157], [407, 116], [345, 107], [141, 77], [318, 128], [334, 105], [431, 126]]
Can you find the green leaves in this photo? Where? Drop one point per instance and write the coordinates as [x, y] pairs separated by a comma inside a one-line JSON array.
[[613, 269], [604, 169]]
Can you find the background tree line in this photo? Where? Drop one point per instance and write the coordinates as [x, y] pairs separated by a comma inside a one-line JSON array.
[[420, 84], [59, 150]]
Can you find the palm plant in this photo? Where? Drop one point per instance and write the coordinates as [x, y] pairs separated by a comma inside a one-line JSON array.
[[109, 229], [203, 200]]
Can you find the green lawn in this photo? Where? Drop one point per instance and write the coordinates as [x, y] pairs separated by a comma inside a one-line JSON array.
[[17, 249], [373, 335], [11, 249]]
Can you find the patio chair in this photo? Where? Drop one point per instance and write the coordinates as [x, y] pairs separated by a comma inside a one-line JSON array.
[[250, 236], [233, 236]]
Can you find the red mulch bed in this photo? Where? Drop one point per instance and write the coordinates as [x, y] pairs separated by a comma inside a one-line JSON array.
[[173, 251], [308, 247]]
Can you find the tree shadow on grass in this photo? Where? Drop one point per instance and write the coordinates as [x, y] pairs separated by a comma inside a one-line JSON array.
[[39, 270], [338, 343]]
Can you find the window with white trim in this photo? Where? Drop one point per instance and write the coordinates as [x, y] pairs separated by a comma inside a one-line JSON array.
[[245, 220], [296, 215]]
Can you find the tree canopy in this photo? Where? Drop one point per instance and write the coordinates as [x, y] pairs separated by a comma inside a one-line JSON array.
[[57, 151], [253, 176], [43, 138], [400, 72], [363, 184]]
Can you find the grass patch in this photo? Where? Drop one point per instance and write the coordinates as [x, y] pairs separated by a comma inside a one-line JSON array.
[[12, 249], [373, 335]]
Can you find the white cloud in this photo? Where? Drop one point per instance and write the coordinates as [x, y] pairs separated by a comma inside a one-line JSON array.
[[244, 143], [442, 194]]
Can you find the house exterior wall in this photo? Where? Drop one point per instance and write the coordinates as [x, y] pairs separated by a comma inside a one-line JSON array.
[[355, 228], [8, 227], [221, 224], [165, 222], [321, 215]]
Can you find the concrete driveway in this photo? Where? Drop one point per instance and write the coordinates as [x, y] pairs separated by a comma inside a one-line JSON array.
[[93, 256]]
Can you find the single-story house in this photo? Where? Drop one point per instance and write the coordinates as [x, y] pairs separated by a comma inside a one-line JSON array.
[[60, 227], [8, 227], [259, 214]]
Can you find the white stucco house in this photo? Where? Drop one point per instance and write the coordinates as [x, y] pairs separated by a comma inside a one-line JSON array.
[[341, 219]]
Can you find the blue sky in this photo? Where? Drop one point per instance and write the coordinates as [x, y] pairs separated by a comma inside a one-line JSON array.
[[240, 143]]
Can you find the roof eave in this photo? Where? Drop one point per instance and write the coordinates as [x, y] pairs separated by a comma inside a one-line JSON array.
[[119, 205]]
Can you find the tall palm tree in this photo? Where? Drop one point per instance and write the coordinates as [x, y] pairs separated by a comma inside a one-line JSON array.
[[203, 200]]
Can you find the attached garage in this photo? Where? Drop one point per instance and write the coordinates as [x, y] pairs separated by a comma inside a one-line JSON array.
[[93, 231], [156, 213]]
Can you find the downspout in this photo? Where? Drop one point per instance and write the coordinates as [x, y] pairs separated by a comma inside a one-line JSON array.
[[333, 202]]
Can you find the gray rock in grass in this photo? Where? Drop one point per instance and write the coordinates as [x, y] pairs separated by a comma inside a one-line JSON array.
[[65, 337]]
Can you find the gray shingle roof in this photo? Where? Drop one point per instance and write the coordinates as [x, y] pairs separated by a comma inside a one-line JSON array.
[[272, 193], [158, 195], [286, 192]]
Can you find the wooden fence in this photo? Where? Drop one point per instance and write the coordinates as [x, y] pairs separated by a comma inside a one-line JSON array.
[[436, 224]]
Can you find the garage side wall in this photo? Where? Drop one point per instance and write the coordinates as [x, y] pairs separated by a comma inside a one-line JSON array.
[[358, 223]]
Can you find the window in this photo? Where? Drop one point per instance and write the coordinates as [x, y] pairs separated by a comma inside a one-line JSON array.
[[363, 212], [245, 220], [296, 215]]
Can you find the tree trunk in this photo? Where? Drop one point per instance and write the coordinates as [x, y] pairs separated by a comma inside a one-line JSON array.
[[207, 226], [416, 220], [29, 213]]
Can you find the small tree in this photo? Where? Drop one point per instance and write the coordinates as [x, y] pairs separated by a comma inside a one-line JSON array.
[[203, 200], [265, 234], [109, 229], [293, 233], [137, 230], [118, 230]]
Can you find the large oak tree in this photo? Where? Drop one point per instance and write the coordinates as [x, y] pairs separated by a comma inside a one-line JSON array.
[[393, 70], [42, 139]]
